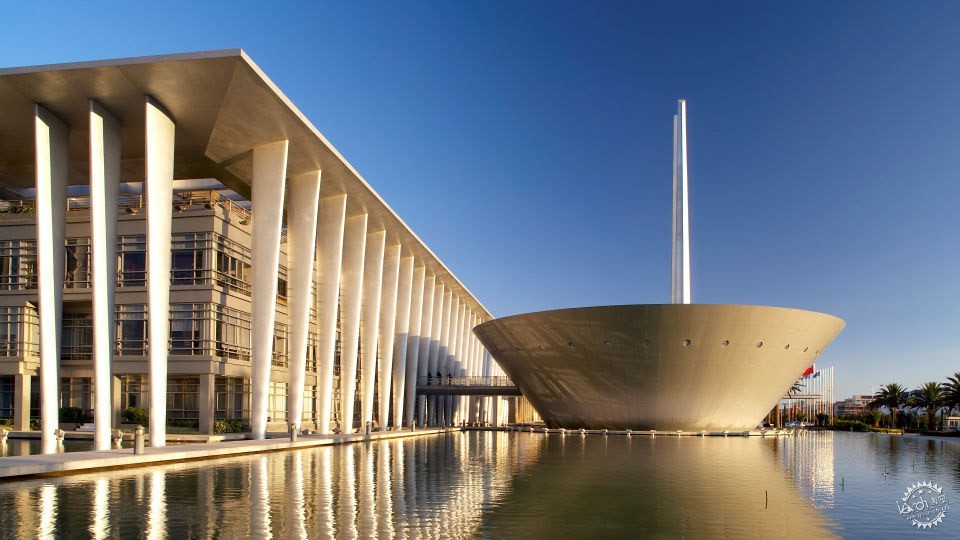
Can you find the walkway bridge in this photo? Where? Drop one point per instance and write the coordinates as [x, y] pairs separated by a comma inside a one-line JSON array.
[[466, 386]]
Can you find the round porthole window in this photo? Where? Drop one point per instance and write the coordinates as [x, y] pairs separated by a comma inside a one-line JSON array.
[[759, 344], [725, 342], [607, 343], [645, 343], [571, 345], [686, 342], [787, 346]]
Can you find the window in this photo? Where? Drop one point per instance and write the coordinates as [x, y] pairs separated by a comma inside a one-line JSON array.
[[7, 389], [309, 398], [76, 392], [183, 398], [134, 391], [187, 265], [187, 329], [132, 261], [311, 363], [131, 330], [232, 398], [280, 352], [231, 332], [282, 284], [77, 264], [19, 331], [232, 265], [76, 339], [277, 402], [18, 265]]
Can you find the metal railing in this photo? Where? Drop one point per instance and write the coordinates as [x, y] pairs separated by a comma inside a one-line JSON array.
[[464, 381], [132, 204]]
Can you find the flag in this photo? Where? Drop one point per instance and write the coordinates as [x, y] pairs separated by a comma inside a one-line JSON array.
[[809, 371]]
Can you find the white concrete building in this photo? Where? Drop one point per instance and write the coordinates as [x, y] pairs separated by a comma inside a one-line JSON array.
[[184, 200]]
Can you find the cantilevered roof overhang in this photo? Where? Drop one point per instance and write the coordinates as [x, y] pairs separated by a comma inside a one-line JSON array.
[[223, 106]]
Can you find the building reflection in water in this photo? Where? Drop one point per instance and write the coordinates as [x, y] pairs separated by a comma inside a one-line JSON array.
[[474, 484], [809, 460]]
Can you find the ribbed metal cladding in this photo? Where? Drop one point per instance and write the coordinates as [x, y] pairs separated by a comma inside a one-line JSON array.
[[690, 367]]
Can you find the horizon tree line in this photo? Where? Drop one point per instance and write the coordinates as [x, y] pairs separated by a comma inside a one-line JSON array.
[[931, 396]]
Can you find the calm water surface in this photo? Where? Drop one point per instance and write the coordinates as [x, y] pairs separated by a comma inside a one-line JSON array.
[[515, 485]]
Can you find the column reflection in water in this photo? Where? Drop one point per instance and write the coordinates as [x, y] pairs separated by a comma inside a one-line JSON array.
[[295, 506], [259, 500], [384, 491], [347, 516], [157, 517], [99, 511], [48, 511], [367, 516], [397, 492], [324, 492]]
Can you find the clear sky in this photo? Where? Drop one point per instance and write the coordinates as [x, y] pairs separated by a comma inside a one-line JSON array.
[[529, 144]]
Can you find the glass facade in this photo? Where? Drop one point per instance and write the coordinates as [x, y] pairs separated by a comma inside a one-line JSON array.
[[19, 332], [232, 398], [18, 265]]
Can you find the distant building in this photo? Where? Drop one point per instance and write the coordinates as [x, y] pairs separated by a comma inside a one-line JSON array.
[[853, 406]]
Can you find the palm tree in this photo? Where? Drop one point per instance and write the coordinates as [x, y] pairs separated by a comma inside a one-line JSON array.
[[951, 391], [928, 396], [890, 396]]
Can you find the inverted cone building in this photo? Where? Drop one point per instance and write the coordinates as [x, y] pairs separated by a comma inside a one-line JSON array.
[[679, 366]]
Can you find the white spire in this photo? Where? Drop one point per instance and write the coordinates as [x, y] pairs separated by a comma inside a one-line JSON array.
[[680, 276]]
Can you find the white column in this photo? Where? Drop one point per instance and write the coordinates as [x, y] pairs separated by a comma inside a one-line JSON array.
[[426, 336], [104, 193], [159, 188], [403, 403], [460, 366], [351, 279], [680, 289], [442, 348], [456, 315], [51, 175], [403, 331], [437, 326], [370, 321], [302, 208], [269, 177], [330, 225], [388, 321]]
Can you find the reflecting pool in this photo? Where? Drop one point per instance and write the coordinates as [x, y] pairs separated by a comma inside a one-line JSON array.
[[498, 484]]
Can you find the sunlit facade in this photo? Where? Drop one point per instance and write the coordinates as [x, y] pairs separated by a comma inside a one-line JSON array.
[[184, 201]]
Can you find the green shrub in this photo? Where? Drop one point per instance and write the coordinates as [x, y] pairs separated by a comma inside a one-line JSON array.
[[851, 425], [35, 424], [6, 423], [230, 425], [71, 414], [136, 415]]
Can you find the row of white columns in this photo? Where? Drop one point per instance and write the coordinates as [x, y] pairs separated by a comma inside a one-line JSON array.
[[406, 322]]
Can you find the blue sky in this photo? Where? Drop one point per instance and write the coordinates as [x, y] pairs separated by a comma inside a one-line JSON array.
[[529, 144]]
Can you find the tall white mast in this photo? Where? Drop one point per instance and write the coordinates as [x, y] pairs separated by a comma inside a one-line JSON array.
[[680, 276]]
